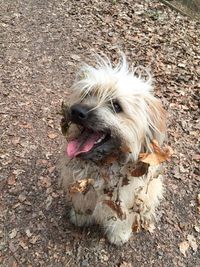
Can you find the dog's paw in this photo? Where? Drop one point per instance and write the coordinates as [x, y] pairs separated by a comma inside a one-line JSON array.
[[118, 238], [80, 219]]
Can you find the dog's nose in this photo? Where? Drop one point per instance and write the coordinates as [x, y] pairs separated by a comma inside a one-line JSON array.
[[79, 112]]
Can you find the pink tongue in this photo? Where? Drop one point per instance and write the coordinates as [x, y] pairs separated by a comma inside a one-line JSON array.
[[82, 145]]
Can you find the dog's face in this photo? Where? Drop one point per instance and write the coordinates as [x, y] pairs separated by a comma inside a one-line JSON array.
[[111, 111]]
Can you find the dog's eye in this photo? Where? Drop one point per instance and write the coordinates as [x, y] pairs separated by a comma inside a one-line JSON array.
[[117, 107]]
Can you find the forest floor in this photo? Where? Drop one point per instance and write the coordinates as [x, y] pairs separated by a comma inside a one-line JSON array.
[[43, 44]]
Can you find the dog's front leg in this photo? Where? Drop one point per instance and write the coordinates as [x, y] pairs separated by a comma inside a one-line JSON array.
[[117, 224], [83, 205], [146, 202], [118, 231], [80, 219]]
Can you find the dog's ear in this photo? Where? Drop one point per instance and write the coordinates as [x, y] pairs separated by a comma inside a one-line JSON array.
[[156, 120]]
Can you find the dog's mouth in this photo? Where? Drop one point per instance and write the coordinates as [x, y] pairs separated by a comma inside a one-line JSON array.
[[87, 142]]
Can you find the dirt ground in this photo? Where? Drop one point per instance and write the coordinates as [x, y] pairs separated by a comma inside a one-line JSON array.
[[43, 43]]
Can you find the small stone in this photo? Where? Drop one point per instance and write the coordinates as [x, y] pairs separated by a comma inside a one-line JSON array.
[[196, 228], [28, 233], [75, 57], [181, 65], [105, 258], [84, 263], [160, 253]]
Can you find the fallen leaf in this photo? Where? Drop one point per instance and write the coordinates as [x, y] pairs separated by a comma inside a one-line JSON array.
[[140, 169], [198, 199], [157, 156], [115, 207], [192, 242], [85, 198], [13, 233], [135, 228], [1, 233], [196, 157], [28, 203], [125, 264], [81, 186], [198, 210], [110, 159], [27, 126], [108, 192], [12, 247], [65, 121], [64, 126], [12, 262], [15, 141], [52, 135], [182, 225], [125, 149], [23, 245], [34, 239], [125, 181], [18, 172], [11, 180], [184, 246], [44, 182], [41, 162], [51, 169], [16, 205]]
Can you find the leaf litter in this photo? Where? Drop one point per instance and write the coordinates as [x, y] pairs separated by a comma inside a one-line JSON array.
[[151, 35]]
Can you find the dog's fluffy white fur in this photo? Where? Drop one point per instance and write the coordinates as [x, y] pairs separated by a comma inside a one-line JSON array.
[[119, 200]]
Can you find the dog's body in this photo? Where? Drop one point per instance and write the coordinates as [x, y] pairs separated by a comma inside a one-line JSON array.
[[111, 118]]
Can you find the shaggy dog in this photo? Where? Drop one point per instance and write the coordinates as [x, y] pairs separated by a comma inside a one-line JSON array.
[[111, 122]]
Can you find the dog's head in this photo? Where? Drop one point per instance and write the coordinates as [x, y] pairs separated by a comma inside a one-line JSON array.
[[110, 110]]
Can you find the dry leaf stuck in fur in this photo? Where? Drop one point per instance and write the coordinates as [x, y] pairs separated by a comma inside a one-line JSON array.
[[139, 169], [158, 155], [81, 186], [125, 149], [110, 159], [83, 196], [125, 181], [64, 123], [135, 228], [115, 207]]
